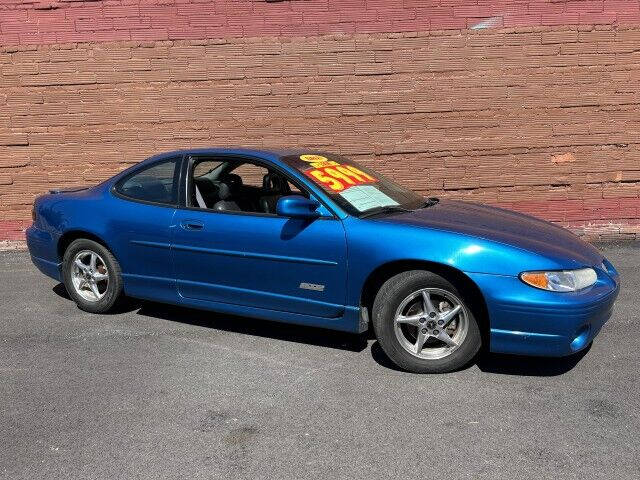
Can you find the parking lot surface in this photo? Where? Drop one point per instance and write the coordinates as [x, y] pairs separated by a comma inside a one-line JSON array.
[[164, 392]]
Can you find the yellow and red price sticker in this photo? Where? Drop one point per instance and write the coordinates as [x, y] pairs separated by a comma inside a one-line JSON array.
[[338, 177], [334, 176], [313, 159]]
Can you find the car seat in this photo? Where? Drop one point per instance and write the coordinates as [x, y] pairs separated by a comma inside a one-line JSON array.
[[226, 202], [275, 186]]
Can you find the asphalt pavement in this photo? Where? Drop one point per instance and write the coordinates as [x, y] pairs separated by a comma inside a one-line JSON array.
[[162, 392]]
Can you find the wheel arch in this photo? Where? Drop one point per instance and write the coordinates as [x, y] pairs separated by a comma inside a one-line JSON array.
[[69, 236], [462, 282]]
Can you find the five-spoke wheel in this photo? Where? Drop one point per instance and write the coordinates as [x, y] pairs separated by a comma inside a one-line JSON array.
[[431, 323], [424, 324], [91, 275]]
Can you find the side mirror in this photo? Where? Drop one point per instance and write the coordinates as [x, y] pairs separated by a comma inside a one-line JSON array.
[[297, 206]]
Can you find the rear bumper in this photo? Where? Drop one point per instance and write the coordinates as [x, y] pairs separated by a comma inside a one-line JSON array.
[[528, 321], [43, 255]]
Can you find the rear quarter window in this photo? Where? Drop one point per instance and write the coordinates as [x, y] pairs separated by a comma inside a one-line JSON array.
[[156, 183]]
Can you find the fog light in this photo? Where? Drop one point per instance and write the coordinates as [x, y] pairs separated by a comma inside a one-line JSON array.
[[580, 340]]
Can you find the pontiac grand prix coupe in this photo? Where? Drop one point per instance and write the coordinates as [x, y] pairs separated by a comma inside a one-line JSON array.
[[317, 239]]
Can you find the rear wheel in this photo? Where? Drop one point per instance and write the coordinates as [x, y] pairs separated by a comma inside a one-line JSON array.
[[91, 276], [423, 323]]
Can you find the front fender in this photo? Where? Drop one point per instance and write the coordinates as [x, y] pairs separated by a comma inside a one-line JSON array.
[[374, 243]]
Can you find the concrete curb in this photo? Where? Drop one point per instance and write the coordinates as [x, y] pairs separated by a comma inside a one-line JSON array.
[[13, 245]]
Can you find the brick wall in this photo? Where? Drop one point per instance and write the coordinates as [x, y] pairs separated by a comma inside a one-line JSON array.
[[536, 109], [63, 21]]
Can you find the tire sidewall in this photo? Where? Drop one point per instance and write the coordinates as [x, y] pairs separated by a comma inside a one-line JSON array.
[[114, 287], [392, 293]]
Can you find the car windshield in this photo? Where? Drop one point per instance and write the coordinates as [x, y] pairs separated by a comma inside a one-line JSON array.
[[357, 189]]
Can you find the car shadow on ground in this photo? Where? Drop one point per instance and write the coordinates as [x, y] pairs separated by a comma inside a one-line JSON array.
[[237, 324], [260, 328], [486, 362], [504, 364], [529, 366], [125, 306]]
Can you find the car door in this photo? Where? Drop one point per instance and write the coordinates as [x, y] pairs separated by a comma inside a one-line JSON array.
[[260, 260]]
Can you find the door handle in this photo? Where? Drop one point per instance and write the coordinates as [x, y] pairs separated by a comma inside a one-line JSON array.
[[192, 224]]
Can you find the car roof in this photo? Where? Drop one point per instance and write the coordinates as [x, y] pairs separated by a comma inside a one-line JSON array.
[[273, 154]]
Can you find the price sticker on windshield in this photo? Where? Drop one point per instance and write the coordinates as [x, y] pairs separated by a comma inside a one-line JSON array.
[[334, 176]]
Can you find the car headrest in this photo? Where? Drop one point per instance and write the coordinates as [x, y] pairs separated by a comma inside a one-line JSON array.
[[233, 181], [224, 191], [276, 182]]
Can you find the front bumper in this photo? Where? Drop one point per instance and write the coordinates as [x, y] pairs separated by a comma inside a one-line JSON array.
[[528, 321]]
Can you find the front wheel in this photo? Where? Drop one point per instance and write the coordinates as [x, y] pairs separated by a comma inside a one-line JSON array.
[[423, 323], [91, 275]]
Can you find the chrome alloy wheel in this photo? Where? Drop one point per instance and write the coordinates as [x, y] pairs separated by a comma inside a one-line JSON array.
[[431, 323], [89, 275]]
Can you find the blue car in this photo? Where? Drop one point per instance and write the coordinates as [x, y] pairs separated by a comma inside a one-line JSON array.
[[317, 239]]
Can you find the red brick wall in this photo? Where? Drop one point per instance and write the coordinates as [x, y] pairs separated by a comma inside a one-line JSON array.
[[535, 111], [62, 21]]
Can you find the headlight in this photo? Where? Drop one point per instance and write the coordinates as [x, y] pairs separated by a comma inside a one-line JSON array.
[[561, 281]]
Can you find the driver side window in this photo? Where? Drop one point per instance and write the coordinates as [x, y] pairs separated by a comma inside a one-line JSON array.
[[238, 186]]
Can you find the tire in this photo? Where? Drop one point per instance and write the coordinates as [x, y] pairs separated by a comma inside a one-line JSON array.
[[403, 296], [78, 279]]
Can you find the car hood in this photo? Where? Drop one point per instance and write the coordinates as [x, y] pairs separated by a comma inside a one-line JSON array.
[[506, 227]]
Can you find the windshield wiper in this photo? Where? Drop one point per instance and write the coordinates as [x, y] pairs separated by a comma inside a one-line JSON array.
[[385, 209], [430, 202]]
